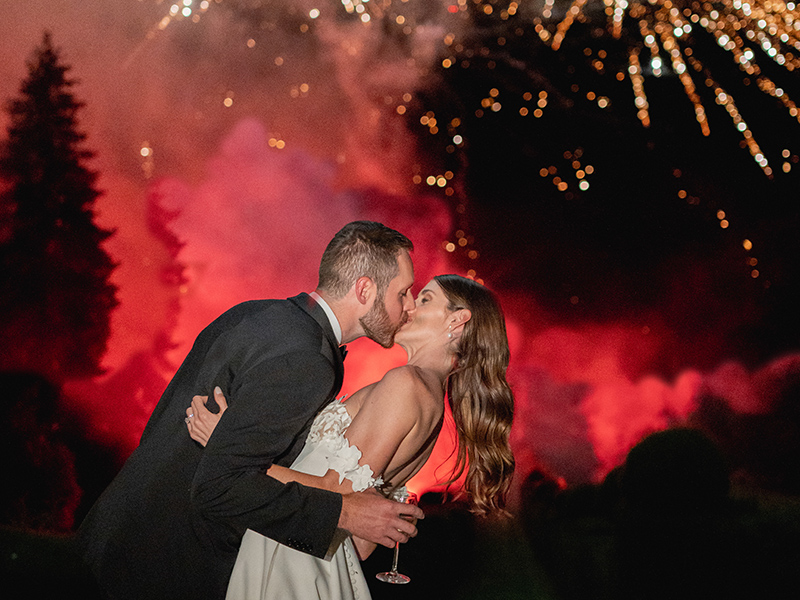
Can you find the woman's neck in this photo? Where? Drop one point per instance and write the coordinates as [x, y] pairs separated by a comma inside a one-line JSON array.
[[437, 361]]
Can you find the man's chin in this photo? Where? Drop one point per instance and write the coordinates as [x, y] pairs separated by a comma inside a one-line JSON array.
[[381, 334], [385, 341]]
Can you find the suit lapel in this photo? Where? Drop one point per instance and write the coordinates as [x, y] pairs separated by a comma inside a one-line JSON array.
[[307, 304]]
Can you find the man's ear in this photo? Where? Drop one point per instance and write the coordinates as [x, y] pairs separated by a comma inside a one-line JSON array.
[[365, 289]]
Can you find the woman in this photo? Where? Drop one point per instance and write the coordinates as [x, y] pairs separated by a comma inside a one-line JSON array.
[[382, 435]]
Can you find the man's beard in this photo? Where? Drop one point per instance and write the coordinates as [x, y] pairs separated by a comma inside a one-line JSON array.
[[378, 326]]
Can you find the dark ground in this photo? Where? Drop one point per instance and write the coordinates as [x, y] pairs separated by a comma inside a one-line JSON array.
[[568, 545]]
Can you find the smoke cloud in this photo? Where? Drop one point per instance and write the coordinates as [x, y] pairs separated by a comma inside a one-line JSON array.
[[232, 148]]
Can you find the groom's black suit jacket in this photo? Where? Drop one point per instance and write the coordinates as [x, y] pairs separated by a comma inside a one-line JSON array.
[[170, 523]]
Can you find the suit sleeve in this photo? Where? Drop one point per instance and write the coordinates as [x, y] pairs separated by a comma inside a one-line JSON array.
[[271, 401]]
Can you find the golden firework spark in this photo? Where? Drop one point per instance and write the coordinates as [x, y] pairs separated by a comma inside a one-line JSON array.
[[666, 27]]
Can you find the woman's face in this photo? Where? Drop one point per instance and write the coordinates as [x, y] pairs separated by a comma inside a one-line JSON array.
[[429, 318]]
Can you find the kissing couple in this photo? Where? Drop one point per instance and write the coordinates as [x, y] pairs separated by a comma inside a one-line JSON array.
[[279, 487]]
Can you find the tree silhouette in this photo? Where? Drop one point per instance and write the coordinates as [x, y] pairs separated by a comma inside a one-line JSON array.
[[55, 294]]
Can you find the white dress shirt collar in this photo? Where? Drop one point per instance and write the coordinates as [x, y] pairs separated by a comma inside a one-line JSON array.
[[337, 329]]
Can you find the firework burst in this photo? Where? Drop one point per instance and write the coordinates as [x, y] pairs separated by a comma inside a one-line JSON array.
[[666, 28]]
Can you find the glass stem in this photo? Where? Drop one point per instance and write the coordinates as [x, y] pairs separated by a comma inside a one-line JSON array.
[[396, 554]]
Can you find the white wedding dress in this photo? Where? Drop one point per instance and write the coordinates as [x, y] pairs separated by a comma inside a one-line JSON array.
[[267, 570]]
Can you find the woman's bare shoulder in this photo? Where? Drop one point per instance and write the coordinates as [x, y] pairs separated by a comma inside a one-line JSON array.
[[402, 375], [399, 381], [390, 400], [407, 385]]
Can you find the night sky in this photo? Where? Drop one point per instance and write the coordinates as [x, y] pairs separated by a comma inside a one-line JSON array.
[[641, 268]]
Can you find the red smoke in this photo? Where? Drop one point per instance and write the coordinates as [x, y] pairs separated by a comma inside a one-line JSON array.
[[255, 227], [252, 220]]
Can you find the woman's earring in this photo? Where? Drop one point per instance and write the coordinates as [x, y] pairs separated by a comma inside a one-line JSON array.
[[450, 331]]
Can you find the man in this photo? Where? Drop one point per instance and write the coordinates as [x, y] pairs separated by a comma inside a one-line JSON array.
[[170, 524]]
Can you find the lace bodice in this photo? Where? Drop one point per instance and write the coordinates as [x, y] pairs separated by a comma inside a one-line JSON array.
[[327, 448]]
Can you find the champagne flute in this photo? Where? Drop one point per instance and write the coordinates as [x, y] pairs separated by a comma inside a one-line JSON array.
[[392, 576]]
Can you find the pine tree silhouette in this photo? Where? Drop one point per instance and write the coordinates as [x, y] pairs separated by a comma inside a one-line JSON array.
[[55, 294]]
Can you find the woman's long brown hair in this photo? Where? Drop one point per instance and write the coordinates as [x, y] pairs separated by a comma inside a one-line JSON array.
[[480, 397]]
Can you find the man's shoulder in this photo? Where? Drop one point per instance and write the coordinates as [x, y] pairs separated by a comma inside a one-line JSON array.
[[255, 306], [263, 309], [286, 323], [254, 319]]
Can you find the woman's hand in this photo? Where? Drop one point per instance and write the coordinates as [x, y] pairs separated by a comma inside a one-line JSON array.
[[200, 421]]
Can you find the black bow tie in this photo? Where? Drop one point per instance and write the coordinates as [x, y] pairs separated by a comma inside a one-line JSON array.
[[343, 351]]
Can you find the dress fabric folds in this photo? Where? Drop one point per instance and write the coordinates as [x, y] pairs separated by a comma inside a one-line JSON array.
[[267, 570]]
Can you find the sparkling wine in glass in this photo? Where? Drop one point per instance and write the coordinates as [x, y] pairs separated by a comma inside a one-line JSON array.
[[393, 576]]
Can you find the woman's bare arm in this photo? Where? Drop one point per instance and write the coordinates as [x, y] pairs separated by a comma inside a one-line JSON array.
[[201, 424], [387, 415], [329, 481]]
